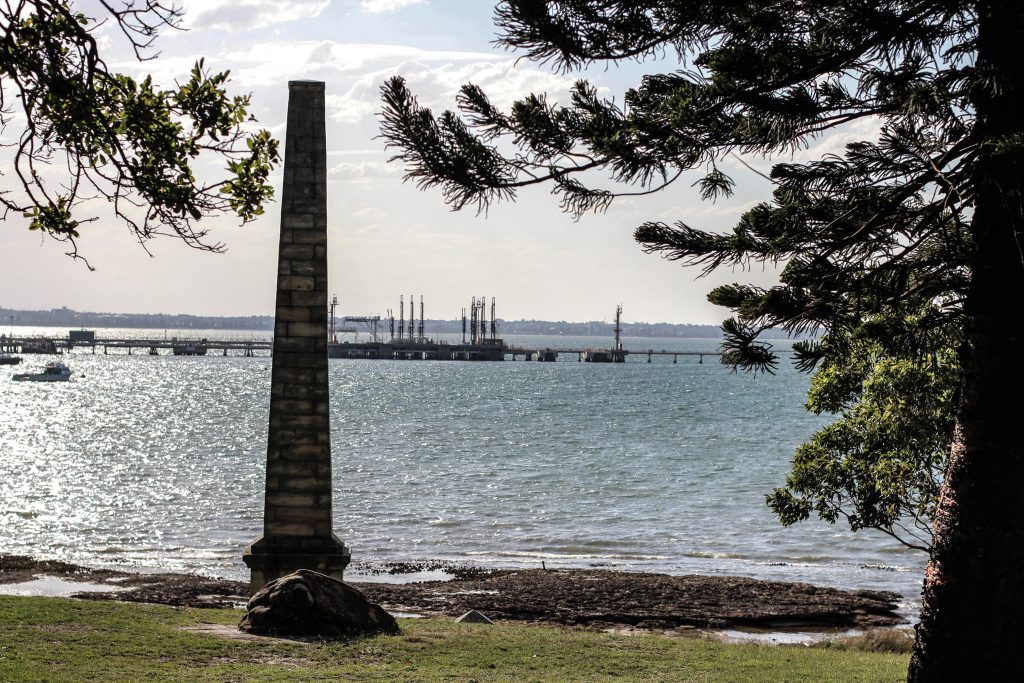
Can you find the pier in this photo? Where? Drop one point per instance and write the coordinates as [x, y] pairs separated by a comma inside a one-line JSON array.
[[407, 342], [601, 355], [152, 346], [418, 350], [494, 350], [396, 349]]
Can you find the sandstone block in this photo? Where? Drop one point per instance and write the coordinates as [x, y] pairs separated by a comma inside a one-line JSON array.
[[313, 237], [313, 451], [289, 406], [304, 484], [301, 283], [276, 528], [297, 252], [315, 299], [305, 329], [292, 468], [297, 221], [294, 375], [291, 500], [292, 314], [308, 268]]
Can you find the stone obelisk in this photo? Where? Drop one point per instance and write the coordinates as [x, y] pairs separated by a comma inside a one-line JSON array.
[[297, 529]]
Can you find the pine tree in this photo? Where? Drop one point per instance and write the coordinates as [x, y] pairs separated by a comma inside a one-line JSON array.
[[88, 132], [905, 241]]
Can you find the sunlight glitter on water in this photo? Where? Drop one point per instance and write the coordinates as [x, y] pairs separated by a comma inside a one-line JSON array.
[[158, 462]]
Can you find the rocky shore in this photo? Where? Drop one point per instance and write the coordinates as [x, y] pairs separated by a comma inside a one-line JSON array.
[[584, 597]]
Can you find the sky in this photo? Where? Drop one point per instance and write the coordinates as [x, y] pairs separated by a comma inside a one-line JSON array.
[[386, 238]]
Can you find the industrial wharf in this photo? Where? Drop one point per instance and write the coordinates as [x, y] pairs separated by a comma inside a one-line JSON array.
[[603, 355], [396, 349], [410, 343], [493, 350], [429, 350], [406, 345]]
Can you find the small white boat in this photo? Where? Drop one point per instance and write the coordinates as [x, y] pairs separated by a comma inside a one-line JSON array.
[[54, 371]]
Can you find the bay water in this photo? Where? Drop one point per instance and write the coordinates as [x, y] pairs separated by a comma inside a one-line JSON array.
[[157, 462]]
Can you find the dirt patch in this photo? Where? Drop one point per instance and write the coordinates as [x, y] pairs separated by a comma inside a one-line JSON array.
[[231, 632], [590, 597]]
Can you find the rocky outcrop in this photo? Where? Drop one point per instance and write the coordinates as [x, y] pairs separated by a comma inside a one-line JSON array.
[[599, 597], [579, 596], [307, 603]]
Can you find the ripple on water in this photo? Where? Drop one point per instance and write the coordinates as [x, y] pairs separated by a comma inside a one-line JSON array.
[[158, 462]]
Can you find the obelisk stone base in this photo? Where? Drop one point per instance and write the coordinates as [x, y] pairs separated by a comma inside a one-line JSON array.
[[270, 560]]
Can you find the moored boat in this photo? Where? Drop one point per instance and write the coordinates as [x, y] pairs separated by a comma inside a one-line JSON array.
[[55, 371]]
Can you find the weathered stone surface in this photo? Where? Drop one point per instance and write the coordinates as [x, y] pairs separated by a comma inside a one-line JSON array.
[[299, 429], [287, 468], [308, 603], [289, 314]]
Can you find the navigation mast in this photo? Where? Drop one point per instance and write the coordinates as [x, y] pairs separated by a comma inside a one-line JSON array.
[[618, 327], [334, 305]]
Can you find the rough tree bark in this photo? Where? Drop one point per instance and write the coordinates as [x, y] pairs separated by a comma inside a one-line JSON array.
[[972, 618]]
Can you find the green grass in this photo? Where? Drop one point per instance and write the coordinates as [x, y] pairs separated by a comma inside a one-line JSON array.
[[898, 640], [53, 639]]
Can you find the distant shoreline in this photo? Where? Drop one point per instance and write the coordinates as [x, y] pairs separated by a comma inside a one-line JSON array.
[[70, 319]]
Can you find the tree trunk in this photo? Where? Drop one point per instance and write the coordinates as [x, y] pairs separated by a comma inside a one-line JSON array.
[[972, 617]]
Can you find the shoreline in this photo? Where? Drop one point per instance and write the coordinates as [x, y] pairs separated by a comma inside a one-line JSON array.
[[590, 598]]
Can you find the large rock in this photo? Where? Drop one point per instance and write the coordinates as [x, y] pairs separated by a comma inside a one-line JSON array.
[[307, 603]]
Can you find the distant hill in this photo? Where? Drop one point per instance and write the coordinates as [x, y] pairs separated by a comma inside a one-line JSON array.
[[72, 319]]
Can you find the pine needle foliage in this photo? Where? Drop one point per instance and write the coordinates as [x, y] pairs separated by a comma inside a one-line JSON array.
[[862, 234], [873, 242], [903, 252]]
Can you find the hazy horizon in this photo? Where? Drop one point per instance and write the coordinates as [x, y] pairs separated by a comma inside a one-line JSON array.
[[5, 312], [386, 237]]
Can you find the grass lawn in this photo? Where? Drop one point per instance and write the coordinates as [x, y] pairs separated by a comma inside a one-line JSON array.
[[54, 639]]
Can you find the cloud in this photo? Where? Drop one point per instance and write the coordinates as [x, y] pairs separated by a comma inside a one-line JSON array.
[[363, 171], [835, 141], [370, 213], [353, 152], [379, 6], [241, 15], [368, 222], [728, 212], [354, 73], [276, 62], [436, 86]]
